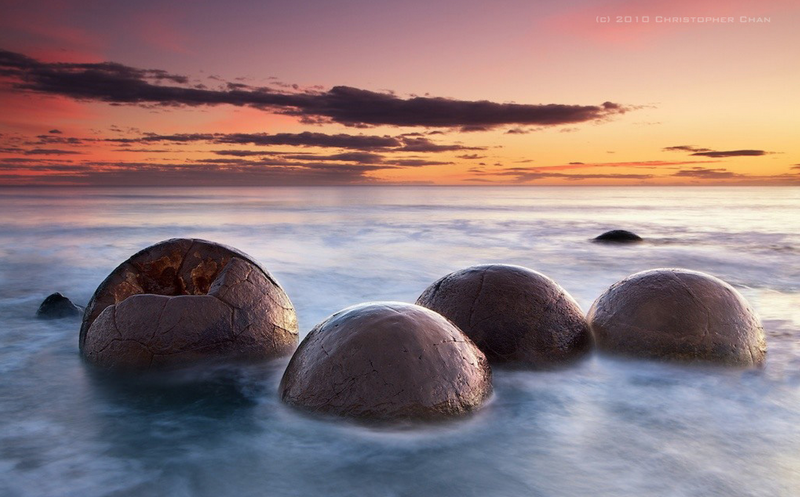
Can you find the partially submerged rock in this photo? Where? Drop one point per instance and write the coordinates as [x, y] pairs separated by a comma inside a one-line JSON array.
[[618, 236], [680, 315], [387, 361], [513, 314], [185, 300], [57, 306]]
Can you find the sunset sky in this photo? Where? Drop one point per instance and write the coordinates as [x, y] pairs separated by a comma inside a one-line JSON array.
[[414, 92]]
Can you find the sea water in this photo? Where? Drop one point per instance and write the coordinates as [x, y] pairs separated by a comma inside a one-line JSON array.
[[603, 427]]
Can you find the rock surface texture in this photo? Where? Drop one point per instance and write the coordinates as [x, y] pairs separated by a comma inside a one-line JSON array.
[[57, 306], [618, 236], [680, 315], [387, 361], [186, 300], [513, 314]]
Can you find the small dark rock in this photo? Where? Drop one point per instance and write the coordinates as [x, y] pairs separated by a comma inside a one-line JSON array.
[[387, 361], [513, 314], [57, 306], [678, 315], [618, 236], [183, 301]]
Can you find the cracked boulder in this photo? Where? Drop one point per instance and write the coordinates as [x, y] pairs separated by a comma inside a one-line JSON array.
[[387, 361], [513, 314], [183, 301], [679, 315]]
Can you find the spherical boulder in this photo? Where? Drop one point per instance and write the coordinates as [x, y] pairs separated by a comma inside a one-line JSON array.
[[618, 236], [186, 300], [387, 361], [680, 315], [57, 306], [513, 314]]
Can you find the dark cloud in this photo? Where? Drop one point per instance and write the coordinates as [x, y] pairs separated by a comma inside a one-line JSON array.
[[723, 176], [365, 158], [470, 156], [358, 157], [533, 176], [795, 166], [174, 138], [706, 173], [415, 162], [55, 131], [365, 143], [309, 139], [243, 173], [731, 153], [55, 140], [41, 168], [707, 152], [426, 145], [241, 153], [282, 169], [144, 150], [50, 151], [685, 148], [244, 164], [651, 164], [352, 106], [119, 84], [304, 139], [25, 162], [527, 174]]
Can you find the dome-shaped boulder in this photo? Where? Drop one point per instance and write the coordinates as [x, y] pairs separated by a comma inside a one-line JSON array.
[[618, 236], [387, 361], [513, 314], [679, 315], [186, 300]]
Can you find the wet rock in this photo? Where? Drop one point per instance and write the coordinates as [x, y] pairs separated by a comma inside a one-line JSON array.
[[513, 314], [618, 236], [57, 306], [186, 300], [680, 315], [387, 361]]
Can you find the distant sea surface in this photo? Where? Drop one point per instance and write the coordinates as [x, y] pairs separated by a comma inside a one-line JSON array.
[[604, 427]]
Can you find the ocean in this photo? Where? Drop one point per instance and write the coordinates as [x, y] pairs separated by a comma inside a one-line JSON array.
[[605, 426]]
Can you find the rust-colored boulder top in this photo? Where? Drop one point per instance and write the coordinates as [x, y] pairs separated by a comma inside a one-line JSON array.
[[678, 314], [513, 314], [387, 361], [185, 300]]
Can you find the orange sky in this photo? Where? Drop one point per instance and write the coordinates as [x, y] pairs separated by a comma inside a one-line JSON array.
[[358, 92]]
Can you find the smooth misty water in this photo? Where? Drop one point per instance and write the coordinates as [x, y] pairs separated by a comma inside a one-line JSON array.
[[604, 427]]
